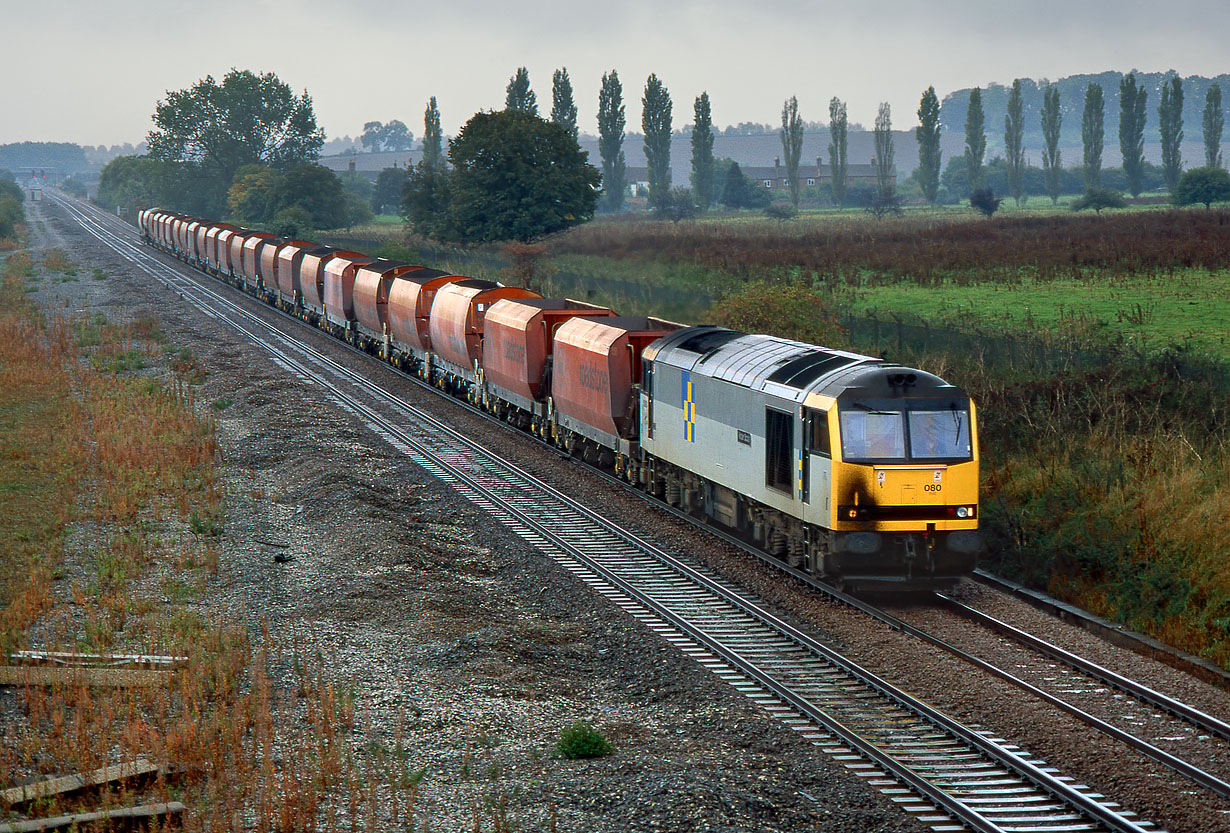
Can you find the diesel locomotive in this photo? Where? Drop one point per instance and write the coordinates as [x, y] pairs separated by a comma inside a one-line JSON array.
[[860, 471]]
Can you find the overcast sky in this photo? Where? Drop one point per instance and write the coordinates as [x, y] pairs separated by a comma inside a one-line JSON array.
[[92, 71]]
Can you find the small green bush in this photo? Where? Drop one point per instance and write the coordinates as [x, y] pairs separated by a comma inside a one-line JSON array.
[[580, 740]]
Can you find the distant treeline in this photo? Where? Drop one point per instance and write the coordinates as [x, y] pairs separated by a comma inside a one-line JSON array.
[[64, 157], [955, 106]]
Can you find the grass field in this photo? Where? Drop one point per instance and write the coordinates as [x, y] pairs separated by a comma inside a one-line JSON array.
[[1189, 310]]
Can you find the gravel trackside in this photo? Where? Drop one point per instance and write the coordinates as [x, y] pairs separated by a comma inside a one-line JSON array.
[[464, 647]]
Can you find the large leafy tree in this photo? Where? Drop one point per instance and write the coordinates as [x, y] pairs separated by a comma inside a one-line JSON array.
[[425, 200], [1170, 123], [740, 191], [929, 153], [1214, 122], [702, 152], [389, 183], [838, 129], [433, 138], [792, 145], [394, 135], [563, 108], [656, 124], [519, 96], [210, 130], [1014, 142], [611, 123], [1052, 122], [975, 138], [1093, 131], [315, 189], [133, 183], [1132, 114], [249, 195], [517, 177]]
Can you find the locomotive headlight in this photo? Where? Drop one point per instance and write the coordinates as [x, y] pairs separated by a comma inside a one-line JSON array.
[[964, 511]]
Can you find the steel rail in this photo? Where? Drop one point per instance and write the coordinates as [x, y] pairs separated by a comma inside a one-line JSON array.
[[1154, 698], [1043, 779]]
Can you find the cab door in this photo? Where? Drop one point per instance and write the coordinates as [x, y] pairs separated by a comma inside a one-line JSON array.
[[817, 467]]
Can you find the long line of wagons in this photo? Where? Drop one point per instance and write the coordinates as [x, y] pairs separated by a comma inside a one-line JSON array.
[[858, 470]]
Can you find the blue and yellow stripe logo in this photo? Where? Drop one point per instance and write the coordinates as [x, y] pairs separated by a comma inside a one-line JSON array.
[[689, 409]]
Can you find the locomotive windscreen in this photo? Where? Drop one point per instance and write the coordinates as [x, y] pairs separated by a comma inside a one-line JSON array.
[[937, 432]]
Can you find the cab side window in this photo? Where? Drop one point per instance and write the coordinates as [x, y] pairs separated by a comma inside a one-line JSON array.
[[819, 439]]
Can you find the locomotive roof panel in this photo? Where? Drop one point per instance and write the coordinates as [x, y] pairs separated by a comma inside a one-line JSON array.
[[887, 380], [784, 367]]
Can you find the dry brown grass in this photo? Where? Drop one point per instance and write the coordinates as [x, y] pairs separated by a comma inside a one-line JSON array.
[[108, 477], [924, 249]]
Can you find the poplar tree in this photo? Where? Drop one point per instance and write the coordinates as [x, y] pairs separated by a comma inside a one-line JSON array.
[[611, 123], [838, 128], [1214, 121], [1093, 121], [702, 152], [975, 139], [519, 95], [1132, 100], [792, 145], [1052, 121], [1014, 143], [1170, 124], [656, 124], [563, 109], [884, 151], [433, 151], [929, 153]]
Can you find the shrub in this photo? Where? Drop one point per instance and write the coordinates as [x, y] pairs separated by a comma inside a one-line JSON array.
[[11, 215], [1099, 198], [1204, 185], [883, 204], [580, 740], [781, 211], [73, 187], [984, 200], [292, 222], [795, 312], [677, 204]]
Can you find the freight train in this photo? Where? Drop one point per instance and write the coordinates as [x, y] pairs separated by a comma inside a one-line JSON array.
[[862, 472]]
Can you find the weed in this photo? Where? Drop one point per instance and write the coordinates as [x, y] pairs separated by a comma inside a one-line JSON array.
[[55, 260], [222, 404], [581, 740], [205, 525]]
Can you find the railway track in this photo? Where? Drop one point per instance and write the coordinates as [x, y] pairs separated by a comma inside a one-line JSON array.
[[945, 773]]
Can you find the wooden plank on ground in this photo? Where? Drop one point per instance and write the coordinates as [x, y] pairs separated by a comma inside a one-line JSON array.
[[113, 818], [77, 781], [22, 675], [66, 658]]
